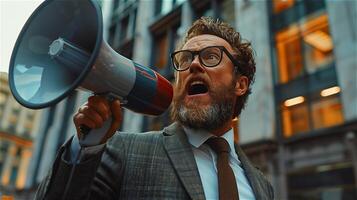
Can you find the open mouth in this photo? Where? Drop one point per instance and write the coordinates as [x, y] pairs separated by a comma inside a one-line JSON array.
[[197, 87]]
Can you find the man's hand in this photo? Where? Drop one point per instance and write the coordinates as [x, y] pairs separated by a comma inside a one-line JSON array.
[[95, 112]]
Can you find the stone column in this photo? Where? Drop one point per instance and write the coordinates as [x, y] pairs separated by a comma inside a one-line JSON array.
[[343, 27], [23, 166], [257, 120]]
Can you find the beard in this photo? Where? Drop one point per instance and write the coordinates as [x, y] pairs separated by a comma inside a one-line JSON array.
[[210, 117]]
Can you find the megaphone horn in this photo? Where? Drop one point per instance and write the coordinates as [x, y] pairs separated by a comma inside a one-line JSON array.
[[61, 48]]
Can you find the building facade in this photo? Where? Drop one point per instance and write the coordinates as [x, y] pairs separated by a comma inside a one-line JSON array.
[[300, 123], [18, 129]]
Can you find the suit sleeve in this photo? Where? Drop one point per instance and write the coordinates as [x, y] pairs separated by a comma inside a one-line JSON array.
[[96, 177]]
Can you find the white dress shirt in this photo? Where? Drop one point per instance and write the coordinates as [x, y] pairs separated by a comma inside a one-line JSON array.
[[206, 160]]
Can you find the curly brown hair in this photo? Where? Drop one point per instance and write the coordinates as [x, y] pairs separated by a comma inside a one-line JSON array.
[[243, 49]]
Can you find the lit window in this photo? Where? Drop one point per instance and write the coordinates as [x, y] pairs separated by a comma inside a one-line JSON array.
[[326, 112], [281, 5], [295, 118], [304, 48], [300, 115]]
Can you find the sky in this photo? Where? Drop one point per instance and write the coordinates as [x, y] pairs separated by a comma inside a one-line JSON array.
[[13, 15]]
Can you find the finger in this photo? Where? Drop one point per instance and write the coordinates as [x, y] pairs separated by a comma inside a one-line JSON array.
[[116, 110], [80, 119], [101, 105], [117, 119], [93, 115]]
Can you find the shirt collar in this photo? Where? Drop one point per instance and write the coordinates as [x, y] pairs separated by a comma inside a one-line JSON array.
[[196, 137]]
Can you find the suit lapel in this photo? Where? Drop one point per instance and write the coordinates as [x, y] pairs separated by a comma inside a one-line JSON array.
[[256, 179], [183, 161]]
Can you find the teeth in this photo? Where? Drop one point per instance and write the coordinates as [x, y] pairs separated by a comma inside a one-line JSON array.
[[197, 82]]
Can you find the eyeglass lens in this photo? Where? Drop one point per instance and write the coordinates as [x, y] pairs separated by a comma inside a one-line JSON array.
[[209, 57]]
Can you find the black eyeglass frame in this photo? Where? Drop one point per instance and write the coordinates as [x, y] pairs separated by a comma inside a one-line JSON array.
[[194, 53]]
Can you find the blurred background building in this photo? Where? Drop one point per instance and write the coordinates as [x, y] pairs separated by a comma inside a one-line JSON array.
[[300, 124], [18, 129]]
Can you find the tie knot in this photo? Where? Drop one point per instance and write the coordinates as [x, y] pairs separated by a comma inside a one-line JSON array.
[[218, 144]]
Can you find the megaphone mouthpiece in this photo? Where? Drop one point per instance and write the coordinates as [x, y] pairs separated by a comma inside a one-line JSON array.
[[72, 57]]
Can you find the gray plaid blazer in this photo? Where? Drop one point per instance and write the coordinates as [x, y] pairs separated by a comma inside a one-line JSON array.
[[155, 165]]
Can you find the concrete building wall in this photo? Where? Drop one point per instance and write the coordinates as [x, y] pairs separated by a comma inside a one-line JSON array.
[[257, 121], [343, 26]]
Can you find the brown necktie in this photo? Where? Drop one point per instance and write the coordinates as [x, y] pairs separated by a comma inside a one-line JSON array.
[[226, 181]]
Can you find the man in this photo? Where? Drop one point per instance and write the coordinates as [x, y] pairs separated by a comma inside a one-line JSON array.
[[214, 72]]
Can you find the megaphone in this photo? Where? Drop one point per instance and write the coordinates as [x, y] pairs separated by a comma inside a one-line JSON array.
[[61, 48]]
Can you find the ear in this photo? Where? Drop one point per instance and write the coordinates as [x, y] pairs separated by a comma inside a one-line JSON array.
[[241, 85]]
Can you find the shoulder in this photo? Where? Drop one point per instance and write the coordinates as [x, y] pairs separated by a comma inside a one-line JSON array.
[[127, 142], [129, 137]]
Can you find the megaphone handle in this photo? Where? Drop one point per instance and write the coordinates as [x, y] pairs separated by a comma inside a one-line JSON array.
[[92, 137]]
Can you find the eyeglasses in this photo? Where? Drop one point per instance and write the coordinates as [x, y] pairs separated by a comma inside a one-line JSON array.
[[209, 57]]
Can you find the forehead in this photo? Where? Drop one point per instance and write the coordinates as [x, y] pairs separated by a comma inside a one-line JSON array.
[[205, 40]]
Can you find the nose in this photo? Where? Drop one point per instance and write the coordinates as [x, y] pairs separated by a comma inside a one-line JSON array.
[[196, 65]]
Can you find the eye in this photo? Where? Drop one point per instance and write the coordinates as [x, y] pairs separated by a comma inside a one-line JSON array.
[[212, 56]]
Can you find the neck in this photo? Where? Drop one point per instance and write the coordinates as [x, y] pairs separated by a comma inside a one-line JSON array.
[[222, 130]]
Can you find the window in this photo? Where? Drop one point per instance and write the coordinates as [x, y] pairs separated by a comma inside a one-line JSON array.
[[4, 145], [281, 5], [304, 48], [162, 54], [295, 118], [164, 43], [13, 175], [115, 5], [223, 10], [321, 110], [163, 7], [228, 12], [122, 28], [326, 111]]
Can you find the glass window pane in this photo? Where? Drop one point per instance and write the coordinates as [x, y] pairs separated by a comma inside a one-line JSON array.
[[318, 43], [295, 119], [124, 29], [326, 112], [161, 47], [289, 54], [306, 44], [281, 5], [228, 13]]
